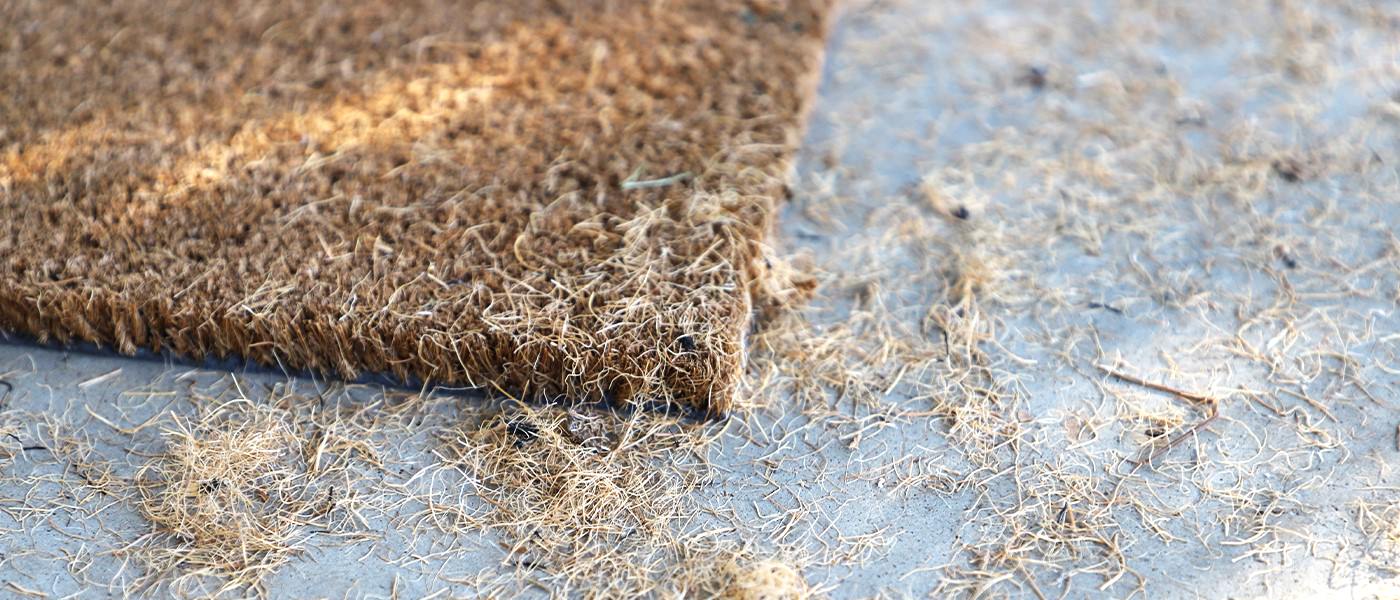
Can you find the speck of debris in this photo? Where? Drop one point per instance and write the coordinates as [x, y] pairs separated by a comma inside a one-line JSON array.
[[1289, 169], [1035, 77], [523, 431], [1107, 307], [1285, 257], [687, 343]]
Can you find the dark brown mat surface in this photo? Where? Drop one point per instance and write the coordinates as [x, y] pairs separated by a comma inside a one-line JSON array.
[[556, 198]]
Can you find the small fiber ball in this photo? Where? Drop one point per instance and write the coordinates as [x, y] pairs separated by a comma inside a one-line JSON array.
[[766, 580]]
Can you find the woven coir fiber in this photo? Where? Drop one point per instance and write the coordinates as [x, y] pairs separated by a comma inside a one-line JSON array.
[[560, 199]]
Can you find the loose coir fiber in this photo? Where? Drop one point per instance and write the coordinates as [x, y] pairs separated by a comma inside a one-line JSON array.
[[560, 199]]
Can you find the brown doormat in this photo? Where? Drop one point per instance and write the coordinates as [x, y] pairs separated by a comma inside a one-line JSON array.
[[557, 198]]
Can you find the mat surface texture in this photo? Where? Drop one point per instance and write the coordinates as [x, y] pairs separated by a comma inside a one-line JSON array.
[[559, 199]]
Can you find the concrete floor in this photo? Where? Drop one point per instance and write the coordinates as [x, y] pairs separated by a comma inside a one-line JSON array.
[[1263, 503]]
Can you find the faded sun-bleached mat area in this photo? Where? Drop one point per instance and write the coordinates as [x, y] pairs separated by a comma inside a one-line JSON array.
[[558, 199]]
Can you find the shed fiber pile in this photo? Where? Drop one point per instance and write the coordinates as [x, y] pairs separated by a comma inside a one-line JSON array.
[[557, 198]]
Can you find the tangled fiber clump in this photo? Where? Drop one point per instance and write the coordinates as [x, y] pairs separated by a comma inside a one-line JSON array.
[[765, 580], [591, 499], [230, 495], [552, 198]]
